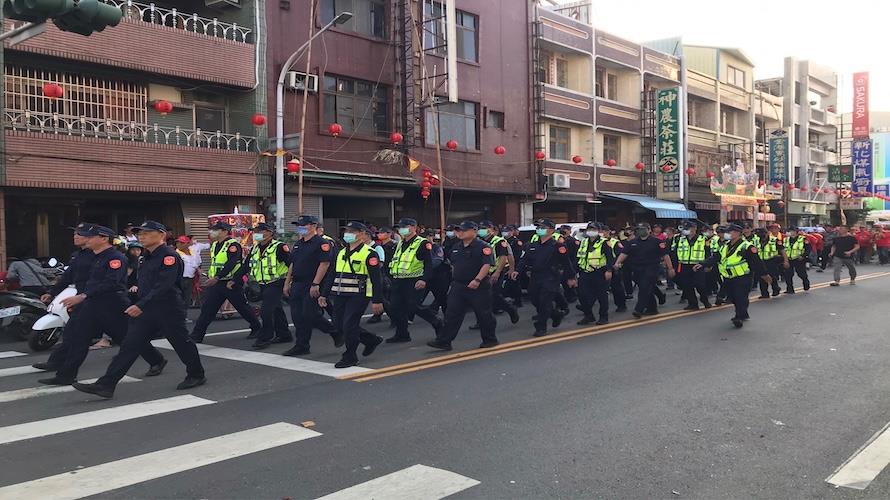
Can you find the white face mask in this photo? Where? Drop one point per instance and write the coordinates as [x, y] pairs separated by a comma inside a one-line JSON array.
[[708, 234], [593, 234], [727, 236], [685, 232]]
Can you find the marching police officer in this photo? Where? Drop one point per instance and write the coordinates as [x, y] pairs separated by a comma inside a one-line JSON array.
[[645, 255], [470, 289], [411, 269], [267, 264], [310, 259], [772, 253], [513, 288], [384, 237], [225, 282], [688, 249], [736, 262], [547, 260], [619, 294], [357, 279], [158, 310], [797, 253], [595, 260], [499, 272]]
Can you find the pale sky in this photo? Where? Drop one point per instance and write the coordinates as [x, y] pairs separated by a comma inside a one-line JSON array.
[[846, 35]]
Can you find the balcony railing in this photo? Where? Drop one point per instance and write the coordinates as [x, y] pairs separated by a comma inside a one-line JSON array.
[[151, 13], [56, 124]]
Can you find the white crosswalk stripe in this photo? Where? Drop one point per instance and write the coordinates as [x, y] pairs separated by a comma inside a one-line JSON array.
[[46, 390], [865, 465], [12, 354], [50, 426], [129, 471], [18, 370], [417, 481]]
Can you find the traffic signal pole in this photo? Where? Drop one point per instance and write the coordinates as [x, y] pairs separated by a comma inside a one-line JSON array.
[[23, 32]]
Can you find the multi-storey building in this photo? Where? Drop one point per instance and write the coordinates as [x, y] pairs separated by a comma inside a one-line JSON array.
[[102, 151]]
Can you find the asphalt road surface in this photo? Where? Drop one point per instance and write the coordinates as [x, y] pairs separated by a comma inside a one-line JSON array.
[[680, 405]]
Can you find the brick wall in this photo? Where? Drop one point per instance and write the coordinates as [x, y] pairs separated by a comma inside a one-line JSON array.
[[152, 48], [61, 162]]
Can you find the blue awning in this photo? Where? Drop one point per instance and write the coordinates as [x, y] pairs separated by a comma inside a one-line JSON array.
[[663, 209]]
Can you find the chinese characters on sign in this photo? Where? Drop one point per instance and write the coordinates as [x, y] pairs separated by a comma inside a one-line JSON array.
[[840, 173], [778, 156], [668, 143], [860, 105], [862, 161]]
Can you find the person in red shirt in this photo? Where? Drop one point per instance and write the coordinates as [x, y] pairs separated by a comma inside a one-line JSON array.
[[882, 241], [814, 239], [866, 244]]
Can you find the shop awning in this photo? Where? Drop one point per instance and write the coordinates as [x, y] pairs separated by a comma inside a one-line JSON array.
[[663, 209]]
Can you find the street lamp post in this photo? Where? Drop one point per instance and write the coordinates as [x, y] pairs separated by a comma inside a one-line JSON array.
[[279, 117]]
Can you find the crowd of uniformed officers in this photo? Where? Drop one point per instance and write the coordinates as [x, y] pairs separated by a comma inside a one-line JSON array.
[[478, 267]]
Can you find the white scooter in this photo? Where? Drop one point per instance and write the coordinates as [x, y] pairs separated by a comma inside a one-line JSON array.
[[48, 329]]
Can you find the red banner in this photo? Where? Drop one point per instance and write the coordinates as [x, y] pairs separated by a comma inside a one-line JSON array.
[[860, 105]]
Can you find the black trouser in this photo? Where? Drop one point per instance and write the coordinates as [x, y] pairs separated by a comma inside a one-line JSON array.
[[94, 317], [306, 314], [738, 291], [187, 285], [691, 281], [214, 297], [772, 268], [627, 277], [798, 266], [461, 299], [712, 280], [619, 294], [568, 292], [826, 259], [166, 318], [387, 286], [405, 302], [592, 288], [438, 286], [498, 302], [513, 291], [542, 291], [272, 312], [646, 278], [348, 311]]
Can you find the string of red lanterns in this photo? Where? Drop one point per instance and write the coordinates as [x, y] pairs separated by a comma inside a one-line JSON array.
[[426, 182]]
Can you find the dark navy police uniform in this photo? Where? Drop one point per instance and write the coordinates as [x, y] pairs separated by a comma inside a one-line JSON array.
[[644, 259], [548, 262], [305, 257]]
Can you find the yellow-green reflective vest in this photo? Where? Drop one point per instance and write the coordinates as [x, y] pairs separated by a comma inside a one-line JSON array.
[[715, 243], [495, 241], [219, 255], [405, 263], [734, 265], [612, 242], [264, 264], [795, 250], [690, 254], [351, 272], [770, 248], [591, 256]]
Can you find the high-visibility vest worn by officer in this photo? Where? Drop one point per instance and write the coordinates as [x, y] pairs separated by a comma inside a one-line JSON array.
[[770, 248], [265, 267], [495, 241], [405, 263], [351, 276], [715, 243], [690, 254], [734, 265], [591, 256], [795, 250], [219, 256]]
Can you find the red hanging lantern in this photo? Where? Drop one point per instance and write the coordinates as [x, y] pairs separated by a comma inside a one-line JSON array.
[[540, 155], [791, 186], [577, 159], [395, 138], [53, 90], [427, 173], [777, 185], [426, 184], [640, 166], [610, 162], [499, 150], [710, 175], [293, 166], [434, 180], [815, 189], [451, 145], [690, 171], [163, 107], [665, 168], [335, 129], [258, 119]]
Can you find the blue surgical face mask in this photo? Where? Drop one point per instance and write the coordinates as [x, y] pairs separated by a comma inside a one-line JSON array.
[[483, 233], [727, 236], [449, 234], [541, 231], [404, 231], [302, 230], [349, 238], [257, 237]]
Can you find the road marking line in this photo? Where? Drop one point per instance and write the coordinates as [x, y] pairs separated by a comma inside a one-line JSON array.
[[273, 360], [417, 481], [864, 466], [46, 390], [439, 361], [58, 425], [18, 370], [12, 354], [133, 470]]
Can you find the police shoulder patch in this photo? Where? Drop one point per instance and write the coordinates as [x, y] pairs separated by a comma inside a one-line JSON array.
[[373, 261], [325, 247], [114, 263], [562, 250], [519, 243], [429, 246], [486, 251], [169, 260], [233, 248]]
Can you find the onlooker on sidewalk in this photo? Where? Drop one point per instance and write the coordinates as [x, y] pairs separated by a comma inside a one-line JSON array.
[[843, 250], [828, 236], [190, 252], [882, 241], [864, 238]]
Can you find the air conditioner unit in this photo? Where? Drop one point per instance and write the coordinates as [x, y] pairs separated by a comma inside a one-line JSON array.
[[558, 181], [296, 79]]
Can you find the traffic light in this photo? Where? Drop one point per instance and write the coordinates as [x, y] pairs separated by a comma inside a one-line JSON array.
[[35, 11], [88, 16]]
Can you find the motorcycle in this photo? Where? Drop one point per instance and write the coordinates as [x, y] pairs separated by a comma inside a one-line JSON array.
[[18, 311], [48, 329]]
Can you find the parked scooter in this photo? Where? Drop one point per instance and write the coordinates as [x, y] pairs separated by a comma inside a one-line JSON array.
[[48, 329], [18, 312]]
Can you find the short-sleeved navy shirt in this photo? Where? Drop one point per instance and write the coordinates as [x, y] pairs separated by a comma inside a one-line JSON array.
[[306, 255]]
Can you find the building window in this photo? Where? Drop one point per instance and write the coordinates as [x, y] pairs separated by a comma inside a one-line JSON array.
[[612, 86], [457, 121], [560, 142], [600, 82], [368, 16], [612, 147], [91, 98], [434, 38], [210, 119], [562, 73], [796, 92], [735, 76], [495, 120], [357, 106], [797, 134]]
